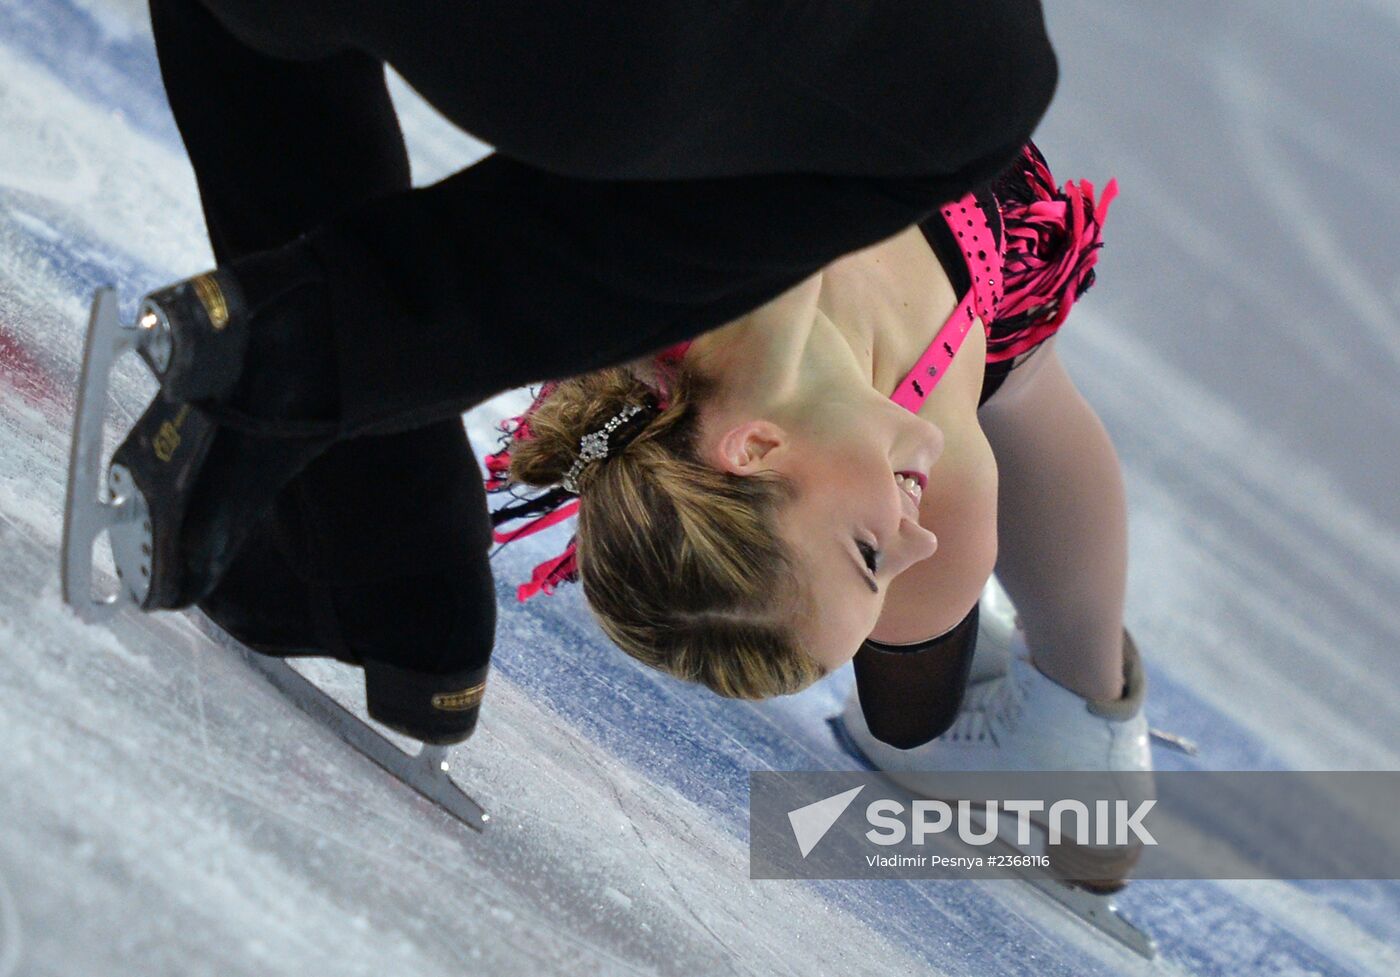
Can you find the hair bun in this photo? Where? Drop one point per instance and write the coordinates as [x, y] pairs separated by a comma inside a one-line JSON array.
[[572, 410]]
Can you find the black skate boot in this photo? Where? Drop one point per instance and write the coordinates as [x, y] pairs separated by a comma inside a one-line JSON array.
[[195, 335], [266, 606], [263, 603], [184, 493], [424, 640], [270, 610], [199, 334], [213, 448], [277, 622]]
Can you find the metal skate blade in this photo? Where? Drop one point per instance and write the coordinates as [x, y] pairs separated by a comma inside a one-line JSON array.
[[424, 772], [1179, 743], [1098, 911], [85, 515], [1095, 909]]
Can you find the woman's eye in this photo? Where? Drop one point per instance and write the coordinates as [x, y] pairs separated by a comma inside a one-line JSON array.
[[870, 554]]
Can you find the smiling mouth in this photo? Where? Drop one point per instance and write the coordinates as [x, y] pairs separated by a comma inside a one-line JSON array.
[[919, 477], [912, 484]]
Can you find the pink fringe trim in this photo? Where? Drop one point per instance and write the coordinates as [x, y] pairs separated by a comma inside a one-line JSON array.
[[1052, 242]]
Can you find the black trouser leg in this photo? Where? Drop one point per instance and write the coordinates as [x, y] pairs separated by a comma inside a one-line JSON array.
[[697, 89], [377, 551], [663, 167]]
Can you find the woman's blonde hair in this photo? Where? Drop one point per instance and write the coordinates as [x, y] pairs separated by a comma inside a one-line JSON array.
[[680, 562]]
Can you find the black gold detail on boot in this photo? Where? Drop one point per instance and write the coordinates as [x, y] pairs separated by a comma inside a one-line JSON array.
[[204, 329], [460, 701], [433, 708]]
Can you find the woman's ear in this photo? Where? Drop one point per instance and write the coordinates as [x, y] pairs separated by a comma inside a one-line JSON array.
[[746, 449]]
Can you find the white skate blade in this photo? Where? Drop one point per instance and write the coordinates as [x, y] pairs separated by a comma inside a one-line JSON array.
[[85, 515], [425, 772]]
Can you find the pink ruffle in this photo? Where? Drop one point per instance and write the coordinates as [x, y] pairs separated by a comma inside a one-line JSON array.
[[1052, 238]]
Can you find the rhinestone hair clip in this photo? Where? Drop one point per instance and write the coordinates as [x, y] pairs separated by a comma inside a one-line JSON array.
[[594, 447]]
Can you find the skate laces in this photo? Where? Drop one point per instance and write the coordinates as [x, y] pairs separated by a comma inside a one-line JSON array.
[[991, 708]]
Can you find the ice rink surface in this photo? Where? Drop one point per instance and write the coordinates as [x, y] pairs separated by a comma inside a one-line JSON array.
[[163, 811]]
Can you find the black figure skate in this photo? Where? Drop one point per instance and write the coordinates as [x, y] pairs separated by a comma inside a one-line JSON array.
[[192, 474], [192, 479]]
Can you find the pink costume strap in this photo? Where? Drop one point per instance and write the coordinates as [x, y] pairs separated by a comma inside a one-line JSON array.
[[1024, 283], [968, 222]]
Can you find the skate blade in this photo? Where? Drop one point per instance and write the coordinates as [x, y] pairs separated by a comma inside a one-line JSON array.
[[85, 514], [1173, 741], [1096, 909], [1092, 903], [425, 772]]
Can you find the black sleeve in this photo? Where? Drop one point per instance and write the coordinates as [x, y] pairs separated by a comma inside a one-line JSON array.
[[503, 275]]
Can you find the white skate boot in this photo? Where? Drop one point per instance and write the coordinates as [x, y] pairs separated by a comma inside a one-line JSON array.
[[996, 623], [1023, 720]]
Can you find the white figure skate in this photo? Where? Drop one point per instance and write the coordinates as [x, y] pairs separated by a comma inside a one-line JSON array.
[[1022, 720], [1015, 718]]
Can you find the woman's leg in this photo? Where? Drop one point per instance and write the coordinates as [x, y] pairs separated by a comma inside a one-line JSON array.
[[1062, 531], [663, 167], [377, 550]]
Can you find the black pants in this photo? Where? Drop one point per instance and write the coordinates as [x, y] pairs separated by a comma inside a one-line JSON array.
[[663, 166]]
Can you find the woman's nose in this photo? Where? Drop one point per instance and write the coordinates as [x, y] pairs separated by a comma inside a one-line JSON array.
[[918, 543]]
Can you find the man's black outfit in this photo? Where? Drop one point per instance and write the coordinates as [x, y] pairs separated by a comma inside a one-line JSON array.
[[662, 167]]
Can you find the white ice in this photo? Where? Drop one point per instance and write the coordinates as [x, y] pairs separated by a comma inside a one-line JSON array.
[[164, 811]]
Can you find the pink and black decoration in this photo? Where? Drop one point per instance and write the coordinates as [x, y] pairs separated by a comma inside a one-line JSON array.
[[1025, 279]]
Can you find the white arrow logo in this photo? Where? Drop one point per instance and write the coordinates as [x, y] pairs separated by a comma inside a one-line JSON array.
[[811, 823]]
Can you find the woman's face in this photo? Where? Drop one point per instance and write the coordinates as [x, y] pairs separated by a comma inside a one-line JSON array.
[[858, 471]]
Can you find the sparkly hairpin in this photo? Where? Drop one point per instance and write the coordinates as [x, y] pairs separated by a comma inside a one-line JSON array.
[[556, 505], [594, 447]]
